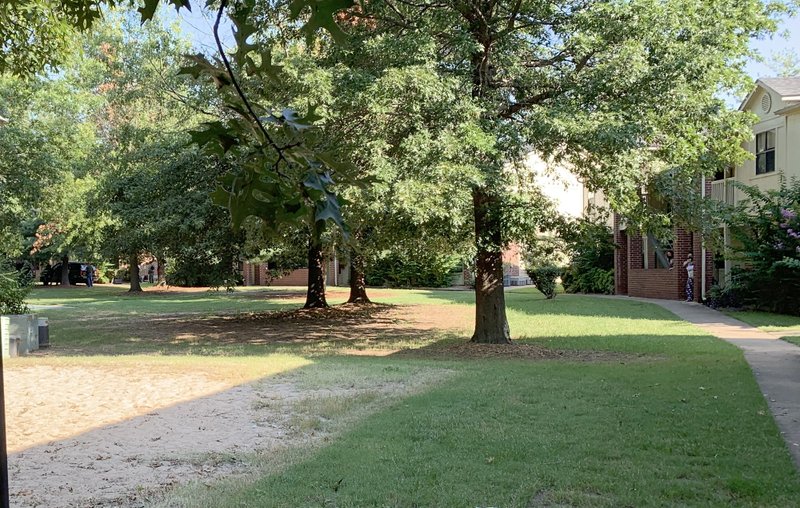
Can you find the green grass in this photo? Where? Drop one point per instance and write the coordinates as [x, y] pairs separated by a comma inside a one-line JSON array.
[[793, 340], [676, 420], [767, 321]]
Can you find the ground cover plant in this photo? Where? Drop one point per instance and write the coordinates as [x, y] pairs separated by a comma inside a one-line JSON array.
[[622, 404]]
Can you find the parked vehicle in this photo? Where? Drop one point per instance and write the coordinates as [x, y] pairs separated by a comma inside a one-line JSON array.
[[52, 274]]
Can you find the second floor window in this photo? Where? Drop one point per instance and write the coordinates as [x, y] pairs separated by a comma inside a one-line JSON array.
[[765, 152]]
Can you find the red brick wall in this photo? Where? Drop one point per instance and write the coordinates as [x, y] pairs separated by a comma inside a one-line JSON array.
[[630, 278], [635, 250], [654, 283], [297, 277]]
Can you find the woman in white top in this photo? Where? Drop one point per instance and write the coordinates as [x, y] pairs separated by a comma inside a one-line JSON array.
[[689, 265]]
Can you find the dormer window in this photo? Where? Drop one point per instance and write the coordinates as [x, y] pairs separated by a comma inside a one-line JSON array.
[[765, 152]]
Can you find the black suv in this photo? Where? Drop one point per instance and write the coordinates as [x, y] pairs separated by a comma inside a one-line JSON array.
[[77, 274]]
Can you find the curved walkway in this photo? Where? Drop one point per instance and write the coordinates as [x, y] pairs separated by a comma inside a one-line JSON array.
[[775, 363]]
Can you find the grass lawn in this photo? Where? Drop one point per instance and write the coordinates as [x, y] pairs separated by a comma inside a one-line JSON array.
[[767, 321], [666, 415]]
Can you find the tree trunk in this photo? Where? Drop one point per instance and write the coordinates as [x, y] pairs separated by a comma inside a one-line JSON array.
[[161, 274], [65, 270], [315, 297], [136, 287], [491, 324], [358, 286]]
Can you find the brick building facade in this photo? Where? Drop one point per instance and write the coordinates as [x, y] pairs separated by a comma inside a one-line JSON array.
[[257, 274], [639, 271]]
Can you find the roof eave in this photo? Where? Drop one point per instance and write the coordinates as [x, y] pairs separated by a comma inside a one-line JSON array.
[[794, 108]]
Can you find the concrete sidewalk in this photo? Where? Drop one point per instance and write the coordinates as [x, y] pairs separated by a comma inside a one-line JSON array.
[[775, 363]]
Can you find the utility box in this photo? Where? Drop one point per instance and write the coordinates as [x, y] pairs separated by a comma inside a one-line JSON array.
[[44, 333], [24, 327]]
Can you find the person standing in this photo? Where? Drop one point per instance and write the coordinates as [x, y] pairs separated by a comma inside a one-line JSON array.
[[689, 265], [151, 274], [89, 275]]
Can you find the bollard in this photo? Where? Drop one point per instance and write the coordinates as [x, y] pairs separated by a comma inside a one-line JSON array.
[[44, 333]]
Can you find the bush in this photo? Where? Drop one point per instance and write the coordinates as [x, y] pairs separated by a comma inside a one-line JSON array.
[[722, 297], [398, 270], [12, 292], [201, 273], [767, 230], [123, 274], [588, 280], [591, 244], [544, 278]]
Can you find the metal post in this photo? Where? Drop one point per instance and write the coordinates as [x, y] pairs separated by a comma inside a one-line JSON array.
[[5, 500]]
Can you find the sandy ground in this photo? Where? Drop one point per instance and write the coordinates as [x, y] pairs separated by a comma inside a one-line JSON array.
[[90, 437]]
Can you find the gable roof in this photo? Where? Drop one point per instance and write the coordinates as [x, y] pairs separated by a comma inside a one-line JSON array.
[[788, 89], [785, 87]]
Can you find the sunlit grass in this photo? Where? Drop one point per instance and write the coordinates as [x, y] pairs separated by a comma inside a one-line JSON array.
[[767, 321]]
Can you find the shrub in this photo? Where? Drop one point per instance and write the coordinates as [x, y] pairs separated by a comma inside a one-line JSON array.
[[123, 274], [767, 231], [399, 270], [544, 278], [588, 280], [591, 270], [722, 297], [12, 291]]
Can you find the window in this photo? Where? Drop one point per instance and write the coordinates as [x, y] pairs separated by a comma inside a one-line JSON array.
[[722, 174], [765, 152]]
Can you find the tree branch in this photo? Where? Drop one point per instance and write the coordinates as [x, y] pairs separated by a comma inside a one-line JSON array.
[[239, 91]]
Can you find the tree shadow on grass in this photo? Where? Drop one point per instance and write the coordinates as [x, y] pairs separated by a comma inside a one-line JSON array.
[[312, 330]]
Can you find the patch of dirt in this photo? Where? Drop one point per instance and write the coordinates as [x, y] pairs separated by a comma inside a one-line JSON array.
[[102, 437], [514, 351]]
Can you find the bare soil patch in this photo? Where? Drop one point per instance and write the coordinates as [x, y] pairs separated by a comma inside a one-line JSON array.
[[84, 436], [362, 324], [471, 351]]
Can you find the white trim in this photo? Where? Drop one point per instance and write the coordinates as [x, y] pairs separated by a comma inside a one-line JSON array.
[[703, 249], [793, 108]]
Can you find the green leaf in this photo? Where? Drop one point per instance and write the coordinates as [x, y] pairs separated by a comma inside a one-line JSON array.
[[148, 10], [200, 66], [322, 16], [264, 67], [214, 136], [242, 30]]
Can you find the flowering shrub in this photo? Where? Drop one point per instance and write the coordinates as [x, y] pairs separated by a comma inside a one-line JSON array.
[[767, 232]]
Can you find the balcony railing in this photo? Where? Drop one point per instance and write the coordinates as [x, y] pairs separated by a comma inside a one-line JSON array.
[[723, 191]]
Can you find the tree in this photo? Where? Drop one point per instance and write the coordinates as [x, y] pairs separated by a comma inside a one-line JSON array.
[[154, 187], [45, 158], [383, 108], [609, 87]]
